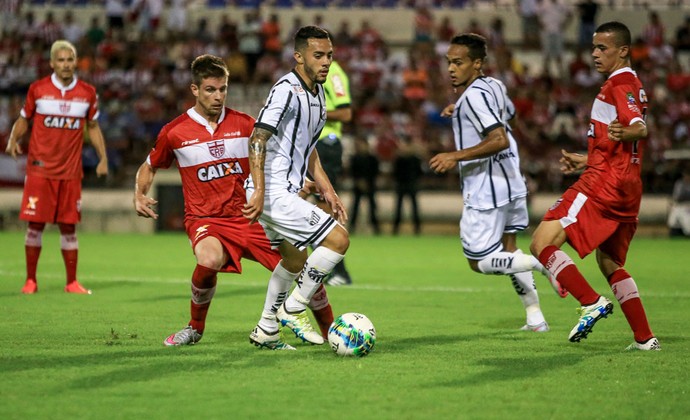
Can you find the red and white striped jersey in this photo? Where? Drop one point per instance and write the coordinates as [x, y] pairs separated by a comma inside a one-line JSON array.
[[612, 178], [57, 136], [213, 164]]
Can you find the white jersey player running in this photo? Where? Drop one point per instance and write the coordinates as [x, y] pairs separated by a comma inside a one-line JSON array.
[[494, 191], [281, 154]]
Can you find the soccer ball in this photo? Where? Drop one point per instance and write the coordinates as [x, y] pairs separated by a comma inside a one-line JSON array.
[[352, 334]]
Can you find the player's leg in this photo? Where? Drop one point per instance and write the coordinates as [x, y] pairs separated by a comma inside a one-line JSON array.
[[611, 257], [322, 310], [68, 215], [33, 243]]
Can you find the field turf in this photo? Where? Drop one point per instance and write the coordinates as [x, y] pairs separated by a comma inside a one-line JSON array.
[[448, 342]]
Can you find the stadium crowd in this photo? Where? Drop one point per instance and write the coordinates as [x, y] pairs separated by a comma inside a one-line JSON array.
[[398, 90]]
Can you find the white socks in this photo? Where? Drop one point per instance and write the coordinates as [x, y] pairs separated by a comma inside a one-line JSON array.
[[278, 288], [527, 292], [319, 264], [508, 263]]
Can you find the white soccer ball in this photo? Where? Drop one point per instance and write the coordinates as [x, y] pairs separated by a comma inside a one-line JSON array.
[[352, 334]]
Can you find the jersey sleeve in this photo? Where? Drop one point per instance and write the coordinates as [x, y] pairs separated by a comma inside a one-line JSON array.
[[276, 107], [628, 104], [337, 92], [162, 155], [482, 111]]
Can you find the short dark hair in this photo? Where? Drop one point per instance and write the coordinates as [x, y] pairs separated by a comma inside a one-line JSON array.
[[306, 32], [476, 44], [619, 30], [207, 65]]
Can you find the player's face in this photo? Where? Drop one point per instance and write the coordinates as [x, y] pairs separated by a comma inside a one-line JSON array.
[[63, 63], [461, 68], [315, 60], [210, 96], [607, 56]]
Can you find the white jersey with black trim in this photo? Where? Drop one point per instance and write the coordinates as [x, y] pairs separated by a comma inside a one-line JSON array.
[[493, 181], [296, 117]]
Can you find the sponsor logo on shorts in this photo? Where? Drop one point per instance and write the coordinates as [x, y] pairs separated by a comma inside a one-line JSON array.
[[201, 230], [32, 203], [314, 219]]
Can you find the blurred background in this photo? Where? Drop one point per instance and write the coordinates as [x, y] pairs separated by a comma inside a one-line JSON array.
[[137, 53]]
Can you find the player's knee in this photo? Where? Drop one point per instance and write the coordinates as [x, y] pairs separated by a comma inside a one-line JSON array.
[[210, 260]]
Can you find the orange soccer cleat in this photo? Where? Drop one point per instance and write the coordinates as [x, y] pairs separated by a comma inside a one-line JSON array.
[[75, 287], [30, 287]]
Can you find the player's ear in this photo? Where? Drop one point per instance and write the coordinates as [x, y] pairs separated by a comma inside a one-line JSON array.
[[625, 51], [298, 57], [195, 90]]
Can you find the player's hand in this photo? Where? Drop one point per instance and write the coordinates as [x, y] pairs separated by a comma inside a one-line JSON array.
[[448, 111], [442, 163], [308, 189], [144, 206], [572, 162], [337, 207], [102, 168], [13, 149], [615, 130], [254, 207]]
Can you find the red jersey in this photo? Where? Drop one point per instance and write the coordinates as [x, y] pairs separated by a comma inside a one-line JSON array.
[[57, 136], [213, 164], [612, 178]]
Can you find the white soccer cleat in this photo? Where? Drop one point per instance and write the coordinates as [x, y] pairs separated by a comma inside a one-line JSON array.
[[272, 341], [542, 327], [185, 336], [589, 315], [651, 344], [299, 323]]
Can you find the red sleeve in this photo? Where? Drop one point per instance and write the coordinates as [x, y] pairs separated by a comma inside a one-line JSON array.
[[627, 102], [29, 107], [162, 155]]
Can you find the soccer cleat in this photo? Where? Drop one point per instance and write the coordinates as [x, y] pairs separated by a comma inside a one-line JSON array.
[[651, 344], [272, 341], [187, 335], [589, 315], [543, 327], [30, 287], [299, 323], [339, 280], [75, 287]]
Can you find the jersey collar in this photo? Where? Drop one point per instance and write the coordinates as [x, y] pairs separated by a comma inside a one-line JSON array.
[[63, 88], [203, 121], [622, 70]]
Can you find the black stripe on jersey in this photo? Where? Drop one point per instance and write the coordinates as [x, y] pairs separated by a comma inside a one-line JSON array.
[[457, 117], [265, 126], [314, 238], [293, 139], [481, 254], [475, 115], [505, 175], [285, 108], [491, 182]]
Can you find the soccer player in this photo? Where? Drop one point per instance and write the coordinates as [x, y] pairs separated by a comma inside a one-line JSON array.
[[338, 111], [61, 106], [494, 191], [209, 142], [281, 154], [599, 212]]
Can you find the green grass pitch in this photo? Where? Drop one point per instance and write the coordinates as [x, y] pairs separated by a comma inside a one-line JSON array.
[[448, 343]]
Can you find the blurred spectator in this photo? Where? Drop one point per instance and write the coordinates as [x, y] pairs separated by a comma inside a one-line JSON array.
[[10, 15], [72, 30], [249, 35], [528, 11], [679, 213], [587, 11], [364, 170], [407, 170], [496, 36], [682, 41], [95, 33], [115, 13], [654, 35], [49, 30], [553, 17], [270, 33], [177, 18], [444, 33], [423, 25]]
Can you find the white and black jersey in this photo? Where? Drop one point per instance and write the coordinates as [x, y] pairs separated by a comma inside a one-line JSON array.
[[296, 117], [493, 181]]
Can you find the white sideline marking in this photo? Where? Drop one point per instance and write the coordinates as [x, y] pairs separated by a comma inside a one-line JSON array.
[[235, 280]]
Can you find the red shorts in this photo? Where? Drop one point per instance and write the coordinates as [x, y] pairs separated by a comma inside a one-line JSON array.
[[51, 200], [239, 238], [588, 229]]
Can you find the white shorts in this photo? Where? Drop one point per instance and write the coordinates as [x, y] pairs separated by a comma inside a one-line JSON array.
[[288, 217], [481, 231]]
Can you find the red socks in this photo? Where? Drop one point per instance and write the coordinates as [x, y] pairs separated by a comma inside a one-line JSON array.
[[203, 287], [565, 271], [625, 290]]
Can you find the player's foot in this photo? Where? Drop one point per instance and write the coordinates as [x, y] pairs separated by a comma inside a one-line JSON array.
[[272, 341], [75, 287], [651, 344], [543, 327], [299, 323], [339, 280], [186, 336], [30, 287], [589, 315]]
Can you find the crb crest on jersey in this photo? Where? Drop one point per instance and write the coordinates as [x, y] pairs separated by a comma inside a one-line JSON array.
[[216, 148]]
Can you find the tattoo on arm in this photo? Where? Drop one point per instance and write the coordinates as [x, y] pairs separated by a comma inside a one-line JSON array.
[[257, 144]]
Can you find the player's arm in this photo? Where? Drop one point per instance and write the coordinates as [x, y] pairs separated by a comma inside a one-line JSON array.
[[257, 159], [325, 188], [98, 142], [495, 141], [20, 127], [633, 132], [142, 184]]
